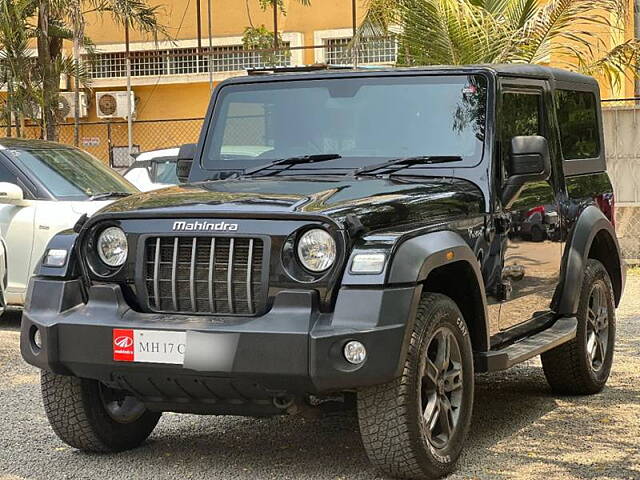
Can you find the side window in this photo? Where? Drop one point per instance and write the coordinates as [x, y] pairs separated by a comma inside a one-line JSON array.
[[521, 114], [6, 176], [578, 122]]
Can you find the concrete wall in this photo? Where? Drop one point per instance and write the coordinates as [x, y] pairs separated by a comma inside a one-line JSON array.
[[622, 144]]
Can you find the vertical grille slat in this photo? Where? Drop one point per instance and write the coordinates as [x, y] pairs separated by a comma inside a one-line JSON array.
[[174, 274], [205, 275], [212, 261], [156, 274], [192, 274], [230, 276], [249, 264]]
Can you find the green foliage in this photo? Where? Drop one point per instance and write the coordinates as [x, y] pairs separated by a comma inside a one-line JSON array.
[[261, 39], [508, 31], [264, 4]]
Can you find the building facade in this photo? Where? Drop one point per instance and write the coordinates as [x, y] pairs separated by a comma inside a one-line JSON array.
[[172, 77]]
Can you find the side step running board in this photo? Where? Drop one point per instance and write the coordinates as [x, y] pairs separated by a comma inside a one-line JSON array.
[[563, 330]]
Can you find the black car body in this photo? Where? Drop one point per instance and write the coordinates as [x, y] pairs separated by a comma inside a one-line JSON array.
[[229, 276]]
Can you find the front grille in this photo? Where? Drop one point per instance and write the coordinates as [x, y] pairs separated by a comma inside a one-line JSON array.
[[214, 275]]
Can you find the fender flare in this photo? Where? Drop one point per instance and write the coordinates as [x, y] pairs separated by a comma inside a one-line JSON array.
[[417, 257], [589, 224]]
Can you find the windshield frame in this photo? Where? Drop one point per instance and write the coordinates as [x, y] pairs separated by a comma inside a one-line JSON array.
[[12, 154], [240, 165]]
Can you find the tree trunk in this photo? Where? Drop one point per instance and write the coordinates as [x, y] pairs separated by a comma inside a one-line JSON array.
[[78, 35], [50, 85], [9, 104]]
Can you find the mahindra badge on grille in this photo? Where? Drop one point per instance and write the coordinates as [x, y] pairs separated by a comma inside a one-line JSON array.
[[204, 226]]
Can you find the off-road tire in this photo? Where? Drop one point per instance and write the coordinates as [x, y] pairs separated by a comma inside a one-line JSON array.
[[568, 368], [390, 415], [77, 415]]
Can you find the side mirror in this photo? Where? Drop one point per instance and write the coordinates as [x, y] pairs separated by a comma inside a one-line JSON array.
[[185, 159], [529, 161], [11, 193]]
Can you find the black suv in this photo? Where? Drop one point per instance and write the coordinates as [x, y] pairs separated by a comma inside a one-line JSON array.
[[343, 235]]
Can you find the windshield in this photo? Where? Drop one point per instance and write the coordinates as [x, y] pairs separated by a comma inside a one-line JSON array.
[[70, 174], [364, 120]]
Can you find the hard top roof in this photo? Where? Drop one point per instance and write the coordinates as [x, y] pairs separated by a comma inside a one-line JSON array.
[[341, 71]]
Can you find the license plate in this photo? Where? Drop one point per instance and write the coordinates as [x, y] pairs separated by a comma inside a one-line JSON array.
[[149, 346]]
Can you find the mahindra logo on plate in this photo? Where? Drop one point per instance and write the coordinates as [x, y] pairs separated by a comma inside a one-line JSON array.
[[123, 341], [204, 226]]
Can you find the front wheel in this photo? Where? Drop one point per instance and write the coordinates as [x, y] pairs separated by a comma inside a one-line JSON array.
[[90, 416], [415, 426]]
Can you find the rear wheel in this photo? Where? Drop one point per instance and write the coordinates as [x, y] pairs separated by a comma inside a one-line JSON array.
[[90, 416], [582, 366], [416, 425]]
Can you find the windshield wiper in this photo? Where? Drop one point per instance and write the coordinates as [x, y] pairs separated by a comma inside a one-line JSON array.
[[291, 161], [105, 195], [403, 162]]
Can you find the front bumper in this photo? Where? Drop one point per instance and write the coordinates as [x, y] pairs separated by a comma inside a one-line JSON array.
[[290, 351]]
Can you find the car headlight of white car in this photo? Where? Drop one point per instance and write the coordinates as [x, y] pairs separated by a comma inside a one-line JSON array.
[[316, 250], [112, 246]]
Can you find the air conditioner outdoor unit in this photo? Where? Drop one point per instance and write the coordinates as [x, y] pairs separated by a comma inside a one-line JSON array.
[[114, 104], [66, 104]]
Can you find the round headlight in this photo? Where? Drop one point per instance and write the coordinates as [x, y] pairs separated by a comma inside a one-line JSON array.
[[316, 250], [112, 246]]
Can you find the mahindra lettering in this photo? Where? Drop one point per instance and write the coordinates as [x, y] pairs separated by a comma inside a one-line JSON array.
[[356, 237]]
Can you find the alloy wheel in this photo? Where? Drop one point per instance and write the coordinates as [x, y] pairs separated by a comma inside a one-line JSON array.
[[597, 326], [442, 387]]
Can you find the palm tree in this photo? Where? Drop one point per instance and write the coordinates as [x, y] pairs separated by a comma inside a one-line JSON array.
[[508, 31], [19, 75], [61, 20]]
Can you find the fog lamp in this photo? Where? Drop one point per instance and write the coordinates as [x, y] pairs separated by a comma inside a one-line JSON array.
[[37, 338], [354, 352]]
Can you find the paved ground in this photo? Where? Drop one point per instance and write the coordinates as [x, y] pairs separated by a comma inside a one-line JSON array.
[[520, 430]]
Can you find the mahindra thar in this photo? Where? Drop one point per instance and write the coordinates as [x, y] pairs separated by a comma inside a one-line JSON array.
[[343, 234]]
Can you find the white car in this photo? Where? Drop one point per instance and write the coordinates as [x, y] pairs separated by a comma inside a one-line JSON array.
[[154, 169], [44, 189], [3, 275]]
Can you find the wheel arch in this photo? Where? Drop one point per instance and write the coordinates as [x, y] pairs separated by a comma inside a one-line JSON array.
[[593, 237], [442, 262]]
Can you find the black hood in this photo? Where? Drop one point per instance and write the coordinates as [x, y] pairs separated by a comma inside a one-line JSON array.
[[376, 202]]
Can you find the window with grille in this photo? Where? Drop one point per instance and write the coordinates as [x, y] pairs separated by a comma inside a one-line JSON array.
[[183, 61], [374, 50]]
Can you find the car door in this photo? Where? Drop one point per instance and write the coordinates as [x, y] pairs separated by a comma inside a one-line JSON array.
[[530, 224], [17, 226]]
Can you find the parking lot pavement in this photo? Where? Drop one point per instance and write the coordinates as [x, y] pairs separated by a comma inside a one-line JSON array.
[[520, 430]]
